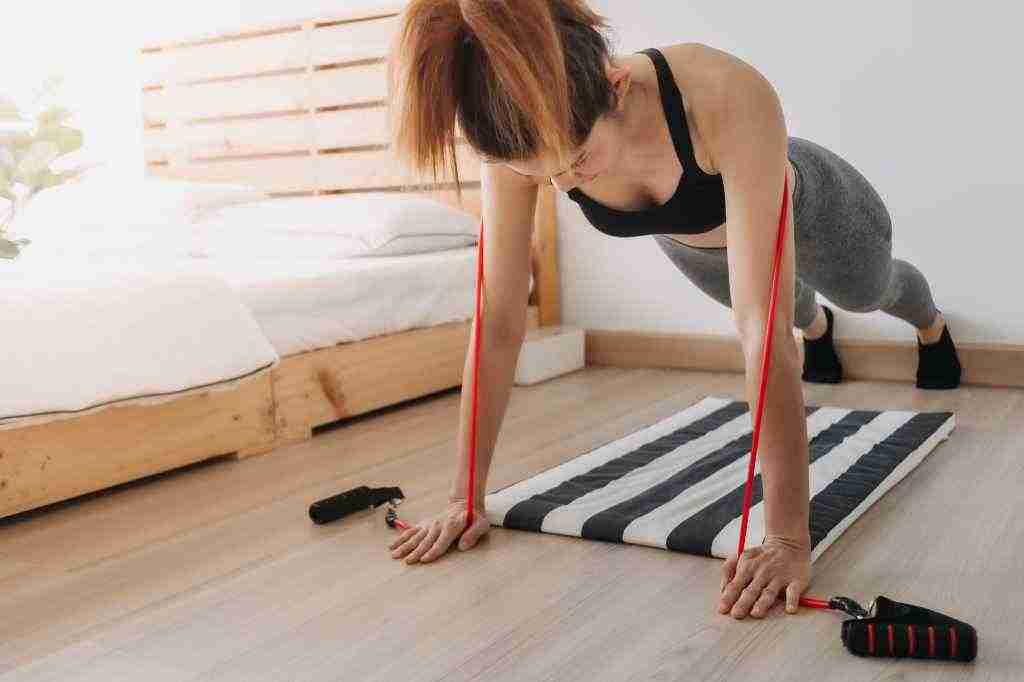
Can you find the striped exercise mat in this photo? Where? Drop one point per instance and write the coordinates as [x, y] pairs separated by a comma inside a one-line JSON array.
[[678, 484]]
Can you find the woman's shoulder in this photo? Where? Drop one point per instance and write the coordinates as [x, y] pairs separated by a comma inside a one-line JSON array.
[[714, 84], [704, 71]]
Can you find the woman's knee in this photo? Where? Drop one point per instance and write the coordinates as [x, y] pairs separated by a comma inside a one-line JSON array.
[[805, 309], [862, 296]]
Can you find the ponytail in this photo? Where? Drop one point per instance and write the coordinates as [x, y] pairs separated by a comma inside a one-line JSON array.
[[519, 77]]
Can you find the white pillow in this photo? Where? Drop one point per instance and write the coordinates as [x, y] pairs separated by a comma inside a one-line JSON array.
[[409, 244], [379, 224], [404, 224], [108, 198]]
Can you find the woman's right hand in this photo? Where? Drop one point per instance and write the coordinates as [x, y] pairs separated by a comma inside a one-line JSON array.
[[429, 540]]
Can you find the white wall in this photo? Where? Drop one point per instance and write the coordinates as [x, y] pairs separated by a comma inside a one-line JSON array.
[[922, 97], [95, 56]]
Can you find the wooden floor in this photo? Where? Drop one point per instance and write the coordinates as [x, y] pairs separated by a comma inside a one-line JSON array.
[[215, 572]]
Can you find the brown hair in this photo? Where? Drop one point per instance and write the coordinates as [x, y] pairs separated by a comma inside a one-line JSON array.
[[520, 77]]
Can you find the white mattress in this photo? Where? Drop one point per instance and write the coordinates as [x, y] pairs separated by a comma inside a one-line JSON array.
[[305, 305], [158, 308], [80, 340]]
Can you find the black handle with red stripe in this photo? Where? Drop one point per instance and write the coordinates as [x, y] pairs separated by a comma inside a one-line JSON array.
[[897, 630]]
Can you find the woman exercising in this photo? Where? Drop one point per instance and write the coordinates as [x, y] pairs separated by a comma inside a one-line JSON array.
[[687, 144]]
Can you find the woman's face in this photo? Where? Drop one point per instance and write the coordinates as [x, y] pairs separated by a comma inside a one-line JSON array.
[[594, 157]]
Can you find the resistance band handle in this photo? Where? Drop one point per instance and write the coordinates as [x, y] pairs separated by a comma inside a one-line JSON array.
[[906, 631], [351, 501]]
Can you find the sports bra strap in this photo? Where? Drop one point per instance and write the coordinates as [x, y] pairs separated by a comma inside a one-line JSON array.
[[672, 104]]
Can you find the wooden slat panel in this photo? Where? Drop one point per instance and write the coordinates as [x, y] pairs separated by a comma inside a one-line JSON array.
[[217, 60], [231, 138], [351, 127], [354, 170], [470, 199], [287, 92], [349, 170], [350, 85], [293, 132], [354, 41], [249, 31], [280, 174]]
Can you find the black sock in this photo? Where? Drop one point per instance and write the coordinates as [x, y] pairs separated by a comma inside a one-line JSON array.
[[821, 364], [938, 366]]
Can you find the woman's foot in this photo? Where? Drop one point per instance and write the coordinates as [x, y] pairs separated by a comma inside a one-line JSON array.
[[938, 366], [821, 364]]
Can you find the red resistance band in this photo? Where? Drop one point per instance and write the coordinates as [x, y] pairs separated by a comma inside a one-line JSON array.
[[477, 329], [859, 633], [780, 242], [962, 638], [765, 362]]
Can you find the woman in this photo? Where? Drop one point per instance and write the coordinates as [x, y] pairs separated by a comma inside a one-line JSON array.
[[535, 92]]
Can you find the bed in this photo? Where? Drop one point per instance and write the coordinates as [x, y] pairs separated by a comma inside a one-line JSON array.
[[296, 110]]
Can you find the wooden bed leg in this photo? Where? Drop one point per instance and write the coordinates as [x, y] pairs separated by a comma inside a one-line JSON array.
[[547, 294]]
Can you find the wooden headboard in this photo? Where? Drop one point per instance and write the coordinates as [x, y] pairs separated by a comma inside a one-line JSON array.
[[300, 109]]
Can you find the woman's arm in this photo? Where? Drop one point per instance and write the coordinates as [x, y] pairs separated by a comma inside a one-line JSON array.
[[508, 205], [749, 145], [508, 209]]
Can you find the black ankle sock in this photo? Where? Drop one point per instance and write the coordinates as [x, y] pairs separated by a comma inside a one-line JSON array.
[[821, 364], [937, 364]]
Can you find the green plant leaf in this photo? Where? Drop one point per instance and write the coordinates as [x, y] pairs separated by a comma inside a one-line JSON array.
[[54, 116], [17, 143], [47, 178], [36, 158], [9, 249], [9, 110], [67, 139], [49, 88], [5, 184], [7, 160], [12, 138]]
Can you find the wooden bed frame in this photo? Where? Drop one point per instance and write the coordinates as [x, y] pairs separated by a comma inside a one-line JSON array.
[[296, 109]]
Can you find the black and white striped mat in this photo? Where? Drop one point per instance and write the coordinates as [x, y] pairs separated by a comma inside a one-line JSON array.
[[678, 484]]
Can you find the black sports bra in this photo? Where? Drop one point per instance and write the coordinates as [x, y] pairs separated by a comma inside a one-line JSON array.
[[698, 204]]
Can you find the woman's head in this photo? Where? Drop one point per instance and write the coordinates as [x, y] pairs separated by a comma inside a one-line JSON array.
[[528, 83]]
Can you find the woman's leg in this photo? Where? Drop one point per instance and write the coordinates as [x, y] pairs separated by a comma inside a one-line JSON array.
[[844, 251], [708, 269]]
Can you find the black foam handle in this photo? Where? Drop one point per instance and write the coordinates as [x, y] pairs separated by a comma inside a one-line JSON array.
[[906, 631], [350, 501]]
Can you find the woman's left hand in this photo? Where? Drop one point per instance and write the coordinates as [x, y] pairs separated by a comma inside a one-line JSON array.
[[752, 584]]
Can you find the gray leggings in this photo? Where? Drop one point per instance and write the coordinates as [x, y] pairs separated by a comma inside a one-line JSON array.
[[843, 244]]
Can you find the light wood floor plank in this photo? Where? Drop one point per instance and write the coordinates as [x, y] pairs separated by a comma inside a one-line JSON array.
[[216, 573]]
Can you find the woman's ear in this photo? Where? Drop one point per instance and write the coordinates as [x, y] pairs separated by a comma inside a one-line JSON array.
[[620, 79]]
